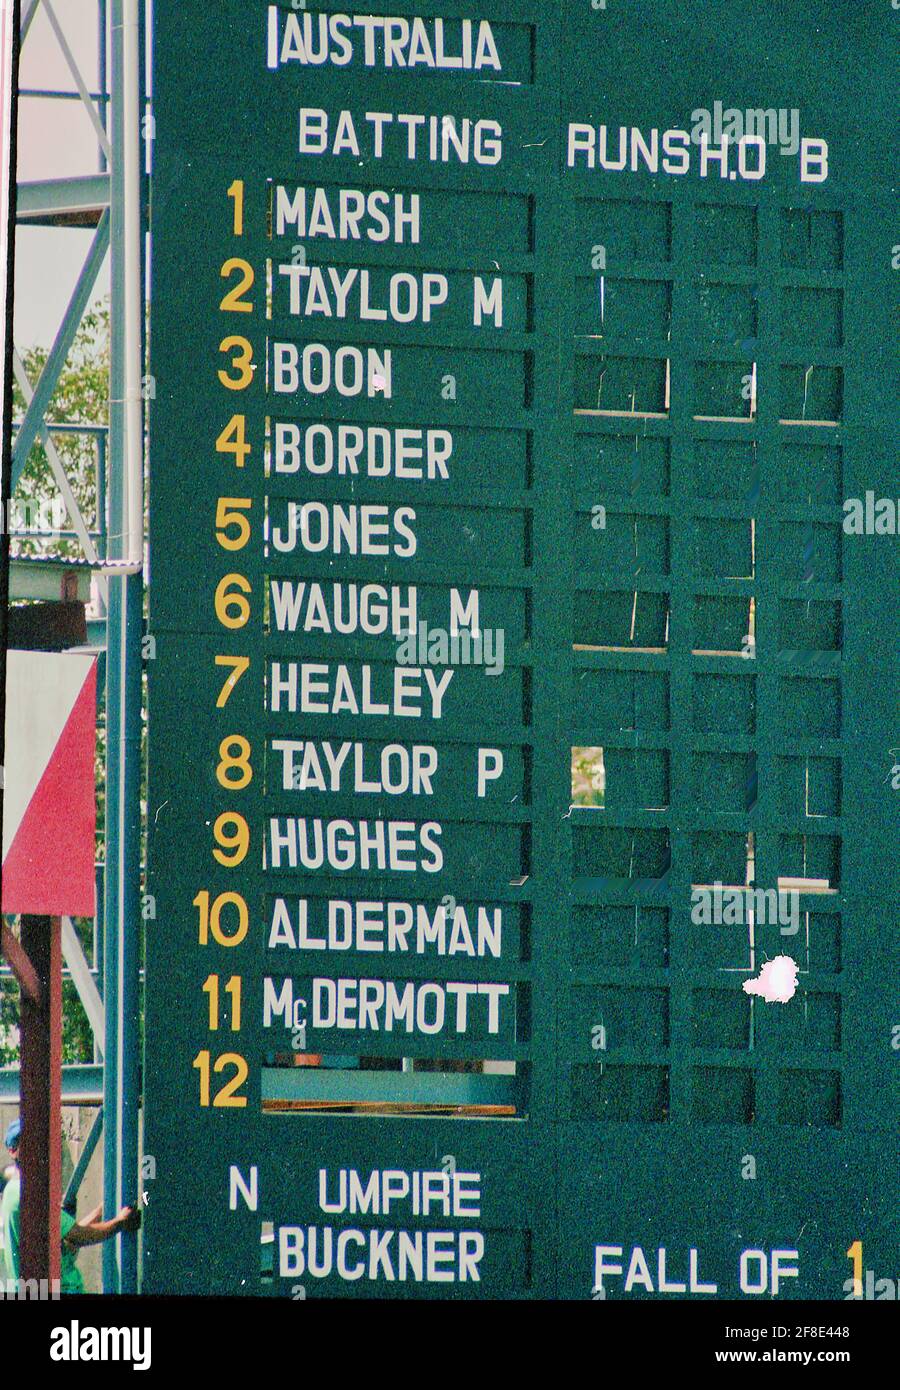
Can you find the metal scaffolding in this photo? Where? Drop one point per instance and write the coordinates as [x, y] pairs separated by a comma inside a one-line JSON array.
[[110, 200]]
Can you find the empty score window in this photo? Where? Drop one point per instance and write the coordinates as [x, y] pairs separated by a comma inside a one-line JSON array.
[[625, 231], [812, 318], [812, 240], [724, 625], [639, 310], [637, 387], [621, 621], [725, 234], [723, 469], [619, 465], [612, 540], [727, 314], [724, 548], [810, 395], [725, 391]]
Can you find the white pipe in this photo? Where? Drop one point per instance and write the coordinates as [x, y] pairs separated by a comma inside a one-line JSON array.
[[133, 309], [88, 993]]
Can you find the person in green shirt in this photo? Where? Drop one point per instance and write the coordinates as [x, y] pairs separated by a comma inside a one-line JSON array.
[[91, 1231], [9, 1206]]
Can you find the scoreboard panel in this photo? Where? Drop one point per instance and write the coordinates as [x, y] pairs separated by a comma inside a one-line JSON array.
[[523, 684]]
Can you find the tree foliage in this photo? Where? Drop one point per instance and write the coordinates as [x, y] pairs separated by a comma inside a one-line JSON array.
[[81, 397]]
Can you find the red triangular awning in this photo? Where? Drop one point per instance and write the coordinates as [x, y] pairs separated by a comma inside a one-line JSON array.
[[49, 867]]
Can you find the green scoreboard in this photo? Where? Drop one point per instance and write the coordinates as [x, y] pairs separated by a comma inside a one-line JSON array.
[[524, 750]]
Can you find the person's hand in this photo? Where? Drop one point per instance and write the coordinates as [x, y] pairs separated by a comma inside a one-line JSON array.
[[129, 1219]]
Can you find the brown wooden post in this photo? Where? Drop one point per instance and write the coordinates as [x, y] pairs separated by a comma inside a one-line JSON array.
[[40, 1152], [36, 961]]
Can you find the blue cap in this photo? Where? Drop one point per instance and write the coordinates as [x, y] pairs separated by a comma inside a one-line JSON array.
[[13, 1133]]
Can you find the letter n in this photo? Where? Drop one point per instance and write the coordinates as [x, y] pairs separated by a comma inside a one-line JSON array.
[[236, 1183]]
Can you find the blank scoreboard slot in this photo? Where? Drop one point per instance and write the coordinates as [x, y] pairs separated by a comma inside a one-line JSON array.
[[614, 466], [622, 386], [614, 853], [811, 395], [723, 1095], [724, 548], [810, 553], [618, 1092], [720, 856], [609, 938], [615, 233], [809, 787], [724, 469], [810, 708], [724, 625], [624, 543], [724, 781], [726, 234], [726, 313], [812, 318], [812, 240], [620, 701], [810, 1098], [624, 621], [725, 703], [808, 625], [606, 1019], [725, 391], [457, 1088], [606, 307]]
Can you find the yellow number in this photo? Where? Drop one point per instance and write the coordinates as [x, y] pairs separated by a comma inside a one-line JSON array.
[[211, 987], [227, 516], [234, 989], [226, 1095], [233, 440], [236, 191], [238, 843], [240, 664], [232, 302], [855, 1255], [239, 761], [242, 363], [211, 918], [233, 610]]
